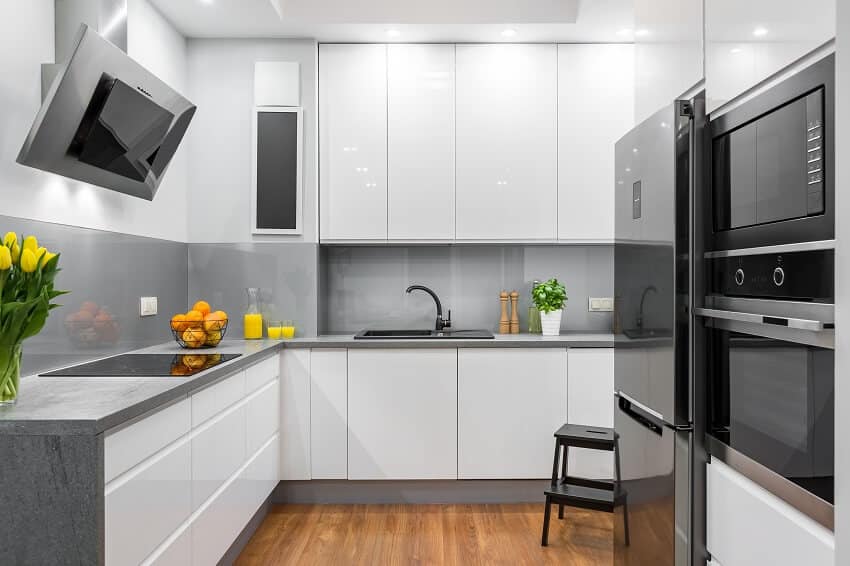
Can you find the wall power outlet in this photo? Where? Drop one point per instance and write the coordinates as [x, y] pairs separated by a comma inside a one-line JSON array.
[[600, 304], [147, 306]]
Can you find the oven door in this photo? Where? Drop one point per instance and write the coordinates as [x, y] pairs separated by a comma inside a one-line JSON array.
[[771, 404]]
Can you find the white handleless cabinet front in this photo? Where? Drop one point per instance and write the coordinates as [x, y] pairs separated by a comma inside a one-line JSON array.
[[506, 157], [217, 452], [353, 141], [329, 414], [510, 403], [421, 141], [402, 414], [591, 402], [295, 415]]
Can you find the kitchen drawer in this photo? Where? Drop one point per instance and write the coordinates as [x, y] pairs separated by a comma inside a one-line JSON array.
[[263, 412], [177, 553], [216, 527], [146, 506], [748, 525], [261, 373], [261, 474], [126, 447], [208, 402], [218, 451]]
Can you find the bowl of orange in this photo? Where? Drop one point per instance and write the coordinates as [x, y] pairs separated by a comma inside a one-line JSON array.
[[200, 327]]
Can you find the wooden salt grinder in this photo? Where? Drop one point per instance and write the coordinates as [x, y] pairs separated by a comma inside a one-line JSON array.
[[504, 323], [514, 312]]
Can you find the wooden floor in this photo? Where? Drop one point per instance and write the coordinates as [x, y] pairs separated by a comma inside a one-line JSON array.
[[339, 535]]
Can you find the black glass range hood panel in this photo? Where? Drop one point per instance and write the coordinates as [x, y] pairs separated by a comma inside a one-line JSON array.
[[145, 365]]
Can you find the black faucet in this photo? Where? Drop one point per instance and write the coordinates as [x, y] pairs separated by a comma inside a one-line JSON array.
[[441, 324], [640, 309]]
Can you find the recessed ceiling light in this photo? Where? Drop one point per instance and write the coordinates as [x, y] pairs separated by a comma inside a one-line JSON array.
[[643, 32], [760, 31], [508, 32], [393, 33]]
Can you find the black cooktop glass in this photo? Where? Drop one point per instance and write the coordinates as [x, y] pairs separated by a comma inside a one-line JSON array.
[[145, 365]]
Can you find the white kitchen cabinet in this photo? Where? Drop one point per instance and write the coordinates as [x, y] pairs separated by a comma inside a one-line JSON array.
[[506, 140], [295, 415], [263, 416], [402, 414], [510, 403], [261, 373], [747, 42], [421, 141], [176, 553], [591, 402], [329, 414], [214, 399], [748, 525], [353, 141], [218, 450], [595, 109]]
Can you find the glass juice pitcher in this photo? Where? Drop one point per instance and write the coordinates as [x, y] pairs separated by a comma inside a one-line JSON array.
[[253, 320]]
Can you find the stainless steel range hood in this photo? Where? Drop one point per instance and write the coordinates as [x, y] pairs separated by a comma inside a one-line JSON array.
[[105, 119]]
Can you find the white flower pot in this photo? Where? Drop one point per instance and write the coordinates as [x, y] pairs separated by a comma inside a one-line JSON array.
[[551, 322]]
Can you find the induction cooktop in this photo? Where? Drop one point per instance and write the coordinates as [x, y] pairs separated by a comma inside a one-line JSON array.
[[145, 365]]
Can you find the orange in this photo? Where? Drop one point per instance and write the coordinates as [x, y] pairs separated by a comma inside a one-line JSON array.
[[90, 306], [178, 322], [202, 307], [194, 337], [214, 321], [213, 338], [194, 319]]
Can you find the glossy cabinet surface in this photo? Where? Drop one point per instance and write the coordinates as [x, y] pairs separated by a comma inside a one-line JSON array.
[[212, 400], [295, 415], [747, 42], [402, 414], [510, 403], [263, 416], [353, 141], [506, 146], [591, 402], [421, 141], [329, 414], [748, 525], [217, 452], [595, 109]]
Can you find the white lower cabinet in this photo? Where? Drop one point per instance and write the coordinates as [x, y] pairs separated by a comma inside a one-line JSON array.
[[263, 416], [591, 402], [217, 452], [747, 525], [402, 414], [295, 415], [329, 414], [510, 403], [177, 553]]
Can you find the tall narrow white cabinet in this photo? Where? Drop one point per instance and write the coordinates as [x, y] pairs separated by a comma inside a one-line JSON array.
[[421, 141], [506, 162], [591, 402], [353, 141], [595, 109]]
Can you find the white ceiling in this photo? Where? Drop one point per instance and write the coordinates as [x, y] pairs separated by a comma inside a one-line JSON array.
[[416, 21]]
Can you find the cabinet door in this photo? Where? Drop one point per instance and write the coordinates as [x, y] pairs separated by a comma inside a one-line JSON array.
[[421, 141], [295, 415], [506, 169], [510, 403], [402, 414], [329, 414], [353, 141], [595, 109], [218, 450], [591, 402]]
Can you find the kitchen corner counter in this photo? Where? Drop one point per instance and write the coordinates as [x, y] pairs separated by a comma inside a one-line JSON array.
[[565, 340]]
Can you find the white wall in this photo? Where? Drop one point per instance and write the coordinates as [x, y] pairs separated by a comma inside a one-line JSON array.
[[26, 43], [221, 78]]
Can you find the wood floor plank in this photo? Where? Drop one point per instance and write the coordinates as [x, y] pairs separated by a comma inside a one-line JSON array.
[[453, 535]]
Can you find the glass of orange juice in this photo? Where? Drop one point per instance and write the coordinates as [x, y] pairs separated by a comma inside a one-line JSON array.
[[287, 329], [274, 329]]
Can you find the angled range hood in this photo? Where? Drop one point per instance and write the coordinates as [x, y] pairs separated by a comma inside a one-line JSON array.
[[105, 119]]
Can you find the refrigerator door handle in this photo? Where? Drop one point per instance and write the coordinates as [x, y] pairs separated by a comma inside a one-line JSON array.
[[634, 410], [797, 323]]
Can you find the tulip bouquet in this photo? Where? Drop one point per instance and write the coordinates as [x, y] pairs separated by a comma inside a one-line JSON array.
[[27, 272]]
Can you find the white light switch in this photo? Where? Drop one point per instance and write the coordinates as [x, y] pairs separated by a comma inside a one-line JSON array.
[[600, 304], [147, 306]]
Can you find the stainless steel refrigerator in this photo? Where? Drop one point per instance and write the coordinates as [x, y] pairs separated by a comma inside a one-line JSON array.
[[659, 464]]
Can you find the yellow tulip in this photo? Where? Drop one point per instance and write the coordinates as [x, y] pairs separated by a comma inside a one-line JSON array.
[[16, 252], [31, 243], [47, 257], [9, 239], [40, 252], [28, 261], [5, 258]]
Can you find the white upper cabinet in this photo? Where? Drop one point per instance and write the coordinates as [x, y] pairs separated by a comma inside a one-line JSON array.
[[421, 141], [506, 164], [747, 42], [353, 141], [595, 109], [668, 51]]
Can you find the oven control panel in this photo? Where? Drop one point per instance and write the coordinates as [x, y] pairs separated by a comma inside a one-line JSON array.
[[802, 276]]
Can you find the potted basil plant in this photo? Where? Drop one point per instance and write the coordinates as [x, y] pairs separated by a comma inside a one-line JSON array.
[[549, 298]]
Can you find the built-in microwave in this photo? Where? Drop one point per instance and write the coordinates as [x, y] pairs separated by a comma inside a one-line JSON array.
[[772, 178]]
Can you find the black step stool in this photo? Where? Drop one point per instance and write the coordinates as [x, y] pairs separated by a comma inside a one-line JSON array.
[[599, 495]]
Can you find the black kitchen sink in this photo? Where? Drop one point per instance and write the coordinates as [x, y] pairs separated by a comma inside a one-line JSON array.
[[641, 333], [423, 334]]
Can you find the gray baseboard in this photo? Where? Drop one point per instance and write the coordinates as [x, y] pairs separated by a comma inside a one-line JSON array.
[[242, 540], [430, 491]]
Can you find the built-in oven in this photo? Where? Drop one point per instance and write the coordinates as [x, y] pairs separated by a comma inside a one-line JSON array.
[[769, 319], [772, 162]]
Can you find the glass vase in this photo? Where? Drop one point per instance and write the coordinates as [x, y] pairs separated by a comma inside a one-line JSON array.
[[10, 373]]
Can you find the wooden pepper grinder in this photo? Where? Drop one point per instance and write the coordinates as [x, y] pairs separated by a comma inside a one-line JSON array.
[[514, 312], [504, 323]]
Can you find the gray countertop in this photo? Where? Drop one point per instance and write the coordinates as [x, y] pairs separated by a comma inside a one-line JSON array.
[[92, 405]]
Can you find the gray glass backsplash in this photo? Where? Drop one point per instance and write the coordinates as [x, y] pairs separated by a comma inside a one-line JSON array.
[[106, 273], [363, 286]]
